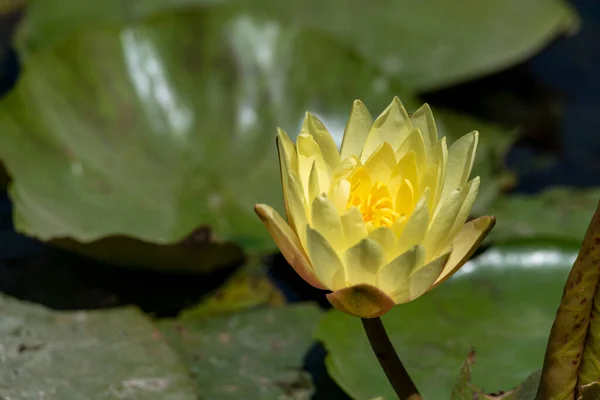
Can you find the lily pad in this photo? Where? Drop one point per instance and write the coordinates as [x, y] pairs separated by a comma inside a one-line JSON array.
[[198, 252], [249, 287], [99, 355], [253, 355], [95, 149], [151, 130], [428, 45], [561, 214], [500, 304], [416, 42]]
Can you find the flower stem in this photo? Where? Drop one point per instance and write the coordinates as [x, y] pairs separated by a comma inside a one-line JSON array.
[[388, 358]]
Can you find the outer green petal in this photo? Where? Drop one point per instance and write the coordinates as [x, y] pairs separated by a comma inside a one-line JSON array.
[[363, 261], [314, 127], [356, 131], [288, 244], [393, 278], [364, 301], [325, 261], [464, 245]]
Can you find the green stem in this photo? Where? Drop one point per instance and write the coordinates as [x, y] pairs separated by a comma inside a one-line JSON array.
[[388, 358]]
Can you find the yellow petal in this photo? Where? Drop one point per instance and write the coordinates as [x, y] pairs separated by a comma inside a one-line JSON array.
[[405, 198], [460, 162], [464, 245], [393, 277], [469, 193], [442, 223], [345, 169], [308, 153], [399, 226], [297, 209], [356, 131], [287, 151], [287, 158], [360, 183], [288, 243], [340, 195], [440, 153], [362, 262], [364, 301], [422, 279], [314, 189], [380, 164], [325, 261], [323, 138], [406, 169], [471, 189], [417, 224], [326, 220], [430, 180], [387, 240], [392, 126], [354, 226], [414, 143], [423, 120]]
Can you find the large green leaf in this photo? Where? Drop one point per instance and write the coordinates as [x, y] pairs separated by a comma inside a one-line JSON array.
[[502, 304], [426, 44], [247, 288], [157, 128], [559, 213], [434, 43], [256, 355], [99, 355], [151, 130]]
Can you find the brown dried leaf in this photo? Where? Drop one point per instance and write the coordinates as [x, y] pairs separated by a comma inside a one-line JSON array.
[[567, 337]]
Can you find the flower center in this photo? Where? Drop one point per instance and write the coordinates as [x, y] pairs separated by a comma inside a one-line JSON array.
[[375, 205]]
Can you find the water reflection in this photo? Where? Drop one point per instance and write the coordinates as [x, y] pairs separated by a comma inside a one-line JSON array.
[[543, 258], [166, 112]]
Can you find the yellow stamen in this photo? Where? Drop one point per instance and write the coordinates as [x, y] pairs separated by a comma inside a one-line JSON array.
[[376, 206]]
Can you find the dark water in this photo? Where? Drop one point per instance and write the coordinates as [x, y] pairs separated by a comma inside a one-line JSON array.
[[555, 97]]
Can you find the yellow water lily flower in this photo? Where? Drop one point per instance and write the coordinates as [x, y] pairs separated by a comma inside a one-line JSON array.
[[382, 221]]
